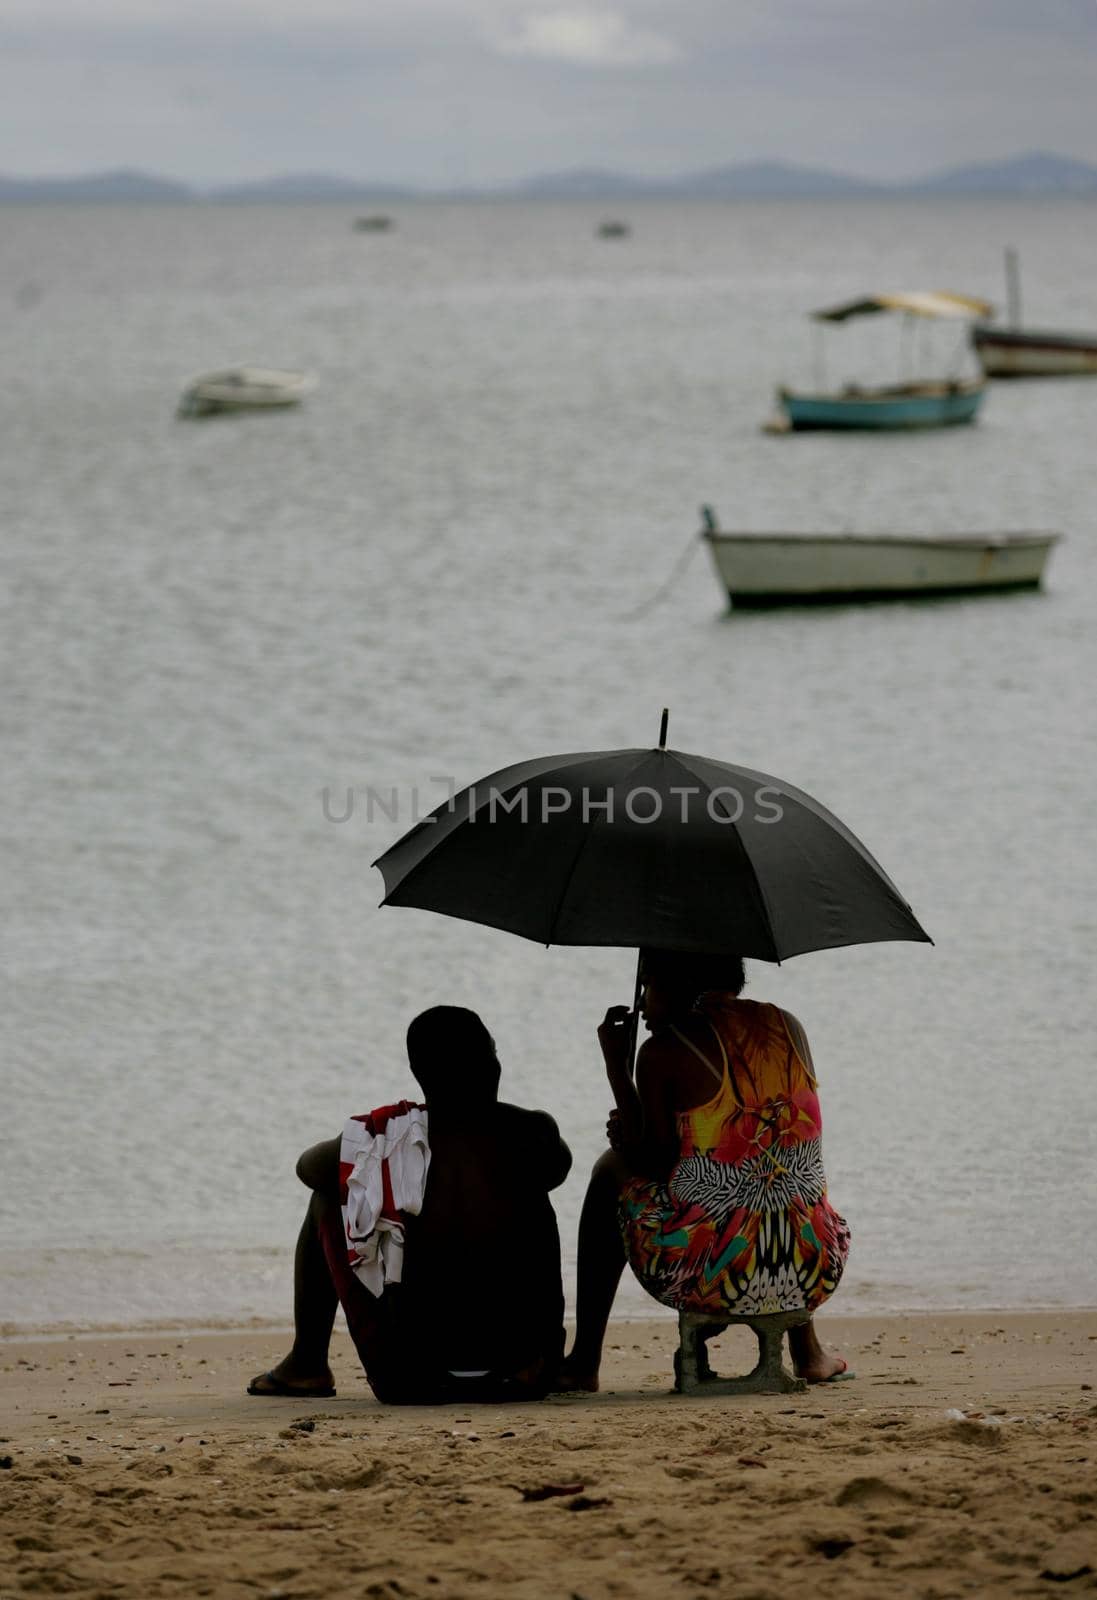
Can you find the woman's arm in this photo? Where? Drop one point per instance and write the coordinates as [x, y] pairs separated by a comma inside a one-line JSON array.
[[615, 1038], [799, 1040], [646, 1132]]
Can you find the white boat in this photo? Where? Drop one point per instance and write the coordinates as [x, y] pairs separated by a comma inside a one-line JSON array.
[[243, 389], [1034, 353], [1019, 352], [771, 569]]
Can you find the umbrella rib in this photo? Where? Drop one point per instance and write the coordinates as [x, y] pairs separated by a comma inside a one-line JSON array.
[[746, 856], [578, 856]]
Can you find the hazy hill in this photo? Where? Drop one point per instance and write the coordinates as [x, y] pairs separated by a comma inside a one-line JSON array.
[[112, 186], [308, 187], [769, 179], [1035, 173], [582, 183]]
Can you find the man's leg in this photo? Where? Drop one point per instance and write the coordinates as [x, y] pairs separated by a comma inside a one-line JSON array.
[[601, 1263], [305, 1370], [809, 1359]]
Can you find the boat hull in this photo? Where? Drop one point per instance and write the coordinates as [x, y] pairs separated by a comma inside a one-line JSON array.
[[798, 569], [1017, 353], [919, 406], [212, 405], [243, 389]]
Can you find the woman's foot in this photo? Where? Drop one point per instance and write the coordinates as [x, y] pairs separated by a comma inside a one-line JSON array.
[[825, 1370], [810, 1360]]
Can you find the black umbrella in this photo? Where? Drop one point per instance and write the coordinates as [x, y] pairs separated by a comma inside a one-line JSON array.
[[648, 848]]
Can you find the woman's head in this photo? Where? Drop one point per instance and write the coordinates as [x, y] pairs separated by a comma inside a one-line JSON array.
[[452, 1057], [673, 979]]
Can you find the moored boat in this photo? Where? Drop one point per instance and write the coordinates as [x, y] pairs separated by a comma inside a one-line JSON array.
[[1031, 353], [773, 569], [925, 403], [1018, 352], [243, 389], [907, 405]]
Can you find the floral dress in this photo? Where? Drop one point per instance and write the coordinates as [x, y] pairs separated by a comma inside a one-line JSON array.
[[743, 1224]]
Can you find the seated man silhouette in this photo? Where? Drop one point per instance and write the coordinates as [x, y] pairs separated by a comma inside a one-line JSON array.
[[478, 1310]]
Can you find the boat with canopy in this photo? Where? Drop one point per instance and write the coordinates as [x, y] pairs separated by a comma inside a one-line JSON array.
[[917, 403]]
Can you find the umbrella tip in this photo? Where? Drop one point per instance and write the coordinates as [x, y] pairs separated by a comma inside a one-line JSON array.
[[663, 729]]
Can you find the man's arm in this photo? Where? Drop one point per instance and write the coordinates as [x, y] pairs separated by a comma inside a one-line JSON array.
[[535, 1140], [555, 1155], [318, 1168]]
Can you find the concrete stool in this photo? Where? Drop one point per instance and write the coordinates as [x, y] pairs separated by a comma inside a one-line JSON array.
[[693, 1374]]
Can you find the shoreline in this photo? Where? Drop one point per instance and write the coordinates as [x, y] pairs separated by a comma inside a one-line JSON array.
[[199, 1327], [961, 1459]]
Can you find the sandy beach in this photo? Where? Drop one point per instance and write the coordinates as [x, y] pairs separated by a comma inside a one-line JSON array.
[[960, 1461]]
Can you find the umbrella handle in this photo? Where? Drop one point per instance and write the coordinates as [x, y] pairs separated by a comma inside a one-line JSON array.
[[634, 1025]]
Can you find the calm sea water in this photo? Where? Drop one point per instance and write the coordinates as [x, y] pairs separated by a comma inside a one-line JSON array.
[[433, 569]]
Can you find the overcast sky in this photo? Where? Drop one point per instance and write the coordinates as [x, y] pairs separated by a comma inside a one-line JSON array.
[[445, 92]]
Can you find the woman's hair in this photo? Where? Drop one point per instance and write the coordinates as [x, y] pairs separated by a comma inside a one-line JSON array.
[[685, 969], [452, 1056]]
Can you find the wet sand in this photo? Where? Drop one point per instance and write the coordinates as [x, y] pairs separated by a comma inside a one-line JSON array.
[[961, 1461]]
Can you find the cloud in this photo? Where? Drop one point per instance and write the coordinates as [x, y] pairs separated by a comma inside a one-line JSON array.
[[586, 38]]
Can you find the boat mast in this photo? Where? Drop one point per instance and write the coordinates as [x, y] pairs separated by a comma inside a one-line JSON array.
[[1013, 286]]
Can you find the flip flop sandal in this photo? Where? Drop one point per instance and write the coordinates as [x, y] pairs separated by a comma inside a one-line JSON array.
[[267, 1385]]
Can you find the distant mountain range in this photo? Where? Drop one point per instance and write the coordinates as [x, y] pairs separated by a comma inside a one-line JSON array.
[[1036, 173]]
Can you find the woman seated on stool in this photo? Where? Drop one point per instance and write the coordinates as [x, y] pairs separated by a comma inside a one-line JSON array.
[[713, 1190]]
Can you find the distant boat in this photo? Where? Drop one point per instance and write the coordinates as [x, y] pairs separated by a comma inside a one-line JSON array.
[[613, 230], [775, 569], [1016, 352], [928, 403], [243, 389], [372, 224]]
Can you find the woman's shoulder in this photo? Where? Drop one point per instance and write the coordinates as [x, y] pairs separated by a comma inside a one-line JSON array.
[[714, 1008], [675, 1046]]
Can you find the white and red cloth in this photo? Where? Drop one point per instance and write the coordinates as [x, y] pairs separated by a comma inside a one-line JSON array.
[[383, 1162]]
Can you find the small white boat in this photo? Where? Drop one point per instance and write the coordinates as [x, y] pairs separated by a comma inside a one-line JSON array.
[[771, 569], [243, 389]]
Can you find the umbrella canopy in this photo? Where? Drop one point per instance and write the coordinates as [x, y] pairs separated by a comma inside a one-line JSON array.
[[648, 847]]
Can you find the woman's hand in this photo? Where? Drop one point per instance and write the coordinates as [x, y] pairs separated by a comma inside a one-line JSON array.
[[615, 1037], [614, 1133]]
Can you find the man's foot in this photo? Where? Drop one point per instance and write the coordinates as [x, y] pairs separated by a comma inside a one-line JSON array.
[[572, 1379], [287, 1382]]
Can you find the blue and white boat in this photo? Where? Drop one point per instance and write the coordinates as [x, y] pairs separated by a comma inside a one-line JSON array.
[[923, 403], [906, 405]]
